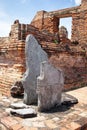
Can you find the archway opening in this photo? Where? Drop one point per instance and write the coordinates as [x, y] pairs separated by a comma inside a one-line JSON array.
[[67, 23]]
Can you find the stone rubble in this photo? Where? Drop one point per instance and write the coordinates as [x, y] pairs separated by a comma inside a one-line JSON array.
[[19, 105], [24, 113]]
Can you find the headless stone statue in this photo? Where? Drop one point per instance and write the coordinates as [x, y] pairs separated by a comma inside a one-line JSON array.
[[34, 56], [49, 86]]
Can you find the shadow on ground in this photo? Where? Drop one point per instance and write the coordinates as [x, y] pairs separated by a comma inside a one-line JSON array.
[[68, 101]]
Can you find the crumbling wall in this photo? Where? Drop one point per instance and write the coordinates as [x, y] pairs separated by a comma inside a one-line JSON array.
[[44, 21], [51, 21], [79, 28], [74, 66], [12, 63], [20, 31], [79, 24]]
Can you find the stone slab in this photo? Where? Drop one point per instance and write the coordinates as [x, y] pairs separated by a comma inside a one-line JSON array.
[[34, 56], [24, 113], [18, 105], [67, 99], [49, 86]]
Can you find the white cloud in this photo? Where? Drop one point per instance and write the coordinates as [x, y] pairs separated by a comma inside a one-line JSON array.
[[78, 2]]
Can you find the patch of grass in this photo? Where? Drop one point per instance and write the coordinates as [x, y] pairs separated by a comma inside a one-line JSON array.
[[56, 42]]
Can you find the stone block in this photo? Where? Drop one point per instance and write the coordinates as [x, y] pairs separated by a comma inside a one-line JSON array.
[[24, 113], [49, 86], [19, 105]]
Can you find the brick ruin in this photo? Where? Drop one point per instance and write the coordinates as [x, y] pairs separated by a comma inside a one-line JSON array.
[[70, 55]]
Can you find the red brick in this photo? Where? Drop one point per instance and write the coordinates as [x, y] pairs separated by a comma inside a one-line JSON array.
[[8, 121], [17, 127], [75, 126]]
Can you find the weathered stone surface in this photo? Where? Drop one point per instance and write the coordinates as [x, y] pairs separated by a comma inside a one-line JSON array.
[[49, 86], [63, 32], [68, 99], [17, 89], [24, 113], [34, 56]]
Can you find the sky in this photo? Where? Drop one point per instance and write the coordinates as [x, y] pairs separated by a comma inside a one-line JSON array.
[[25, 10]]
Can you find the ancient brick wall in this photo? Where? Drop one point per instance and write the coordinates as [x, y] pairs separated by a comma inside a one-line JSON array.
[[79, 28], [74, 67], [79, 24], [46, 22], [12, 63], [38, 19], [20, 31], [51, 21]]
